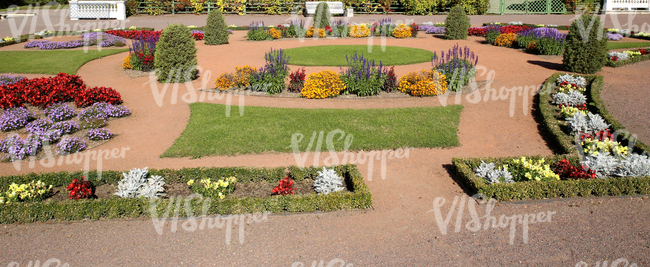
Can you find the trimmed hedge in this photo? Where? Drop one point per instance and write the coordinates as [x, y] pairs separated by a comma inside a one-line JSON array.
[[633, 60], [358, 197], [554, 189], [555, 131]]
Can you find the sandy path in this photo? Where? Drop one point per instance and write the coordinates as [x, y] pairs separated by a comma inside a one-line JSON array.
[[397, 231]]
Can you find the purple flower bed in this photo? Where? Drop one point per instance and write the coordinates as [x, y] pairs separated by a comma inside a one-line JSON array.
[[39, 125], [8, 142], [15, 118], [9, 79], [50, 136], [99, 134], [66, 127], [87, 39], [71, 145], [614, 36], [430, 29], [59, 112], [18, 149], [544, 32]]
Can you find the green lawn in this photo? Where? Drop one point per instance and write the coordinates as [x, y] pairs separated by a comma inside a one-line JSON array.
[[334, 55], [615, 45], [264, 129], [50, 62]]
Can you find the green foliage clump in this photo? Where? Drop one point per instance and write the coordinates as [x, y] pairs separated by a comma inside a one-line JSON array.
[[457, 24], [131, 7], [323, 16], [586, 46], [175, 57], [259, 34], [491, 36], [418, 7], [216, 30]]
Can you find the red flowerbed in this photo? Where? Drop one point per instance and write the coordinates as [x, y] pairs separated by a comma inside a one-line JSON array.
[[42, 92], [476, 31], [567, 171], [516, 29], [80, 189], [197, 36], [135, 34]]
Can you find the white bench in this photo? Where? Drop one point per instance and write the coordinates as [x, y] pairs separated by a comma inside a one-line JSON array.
[[612, 6], [334, 7], [97, 10]]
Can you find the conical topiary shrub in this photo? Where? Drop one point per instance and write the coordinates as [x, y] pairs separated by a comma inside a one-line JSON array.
[[216, 31], [456, 24], [585, 49], [322, 16], [175, 56]]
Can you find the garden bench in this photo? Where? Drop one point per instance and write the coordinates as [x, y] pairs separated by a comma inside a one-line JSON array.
[[612, 6], [334, 7], [97, 10]]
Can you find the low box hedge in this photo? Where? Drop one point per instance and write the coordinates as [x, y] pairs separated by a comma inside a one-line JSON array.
[[358, 197], [555, 130], [555, 189]]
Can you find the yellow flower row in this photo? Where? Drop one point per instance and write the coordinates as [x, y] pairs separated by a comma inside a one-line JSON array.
[[359, 31], [402, 31], [239, 80], [505, 39], [322, 84], [126, 64], [426, 83], [24, 192]]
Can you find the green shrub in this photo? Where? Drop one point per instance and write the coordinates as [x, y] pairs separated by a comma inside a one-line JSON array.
[[418, 7], [131, 7], [457, 24], [491, 36], [585, 47], [216, 30], [258, 34], [473, 7], [175, 56], [322, 16]]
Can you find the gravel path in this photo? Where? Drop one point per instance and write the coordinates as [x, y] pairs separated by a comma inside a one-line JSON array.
[[400, 230]]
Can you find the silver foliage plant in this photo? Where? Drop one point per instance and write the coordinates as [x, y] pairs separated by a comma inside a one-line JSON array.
[[328, 181], [634, 165], [590, 123], [604, 164], [577, 80], [137, 184], [492, 175], [573, 98]]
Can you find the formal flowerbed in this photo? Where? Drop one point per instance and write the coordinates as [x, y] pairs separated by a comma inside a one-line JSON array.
[[598, 161], [361, 77], [87, 39], [50, 196], [338, 29], [58, 124], [617, 59]]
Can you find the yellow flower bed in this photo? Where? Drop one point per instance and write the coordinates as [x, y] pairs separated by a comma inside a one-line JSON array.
[[322, 84], [402, 31], [505, 39], [275, 33], [310, 32], [240, 79], [359, 31], [425, 83], [126, 64], [25, 192]]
